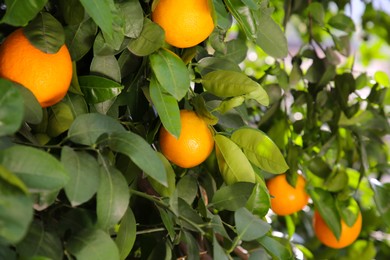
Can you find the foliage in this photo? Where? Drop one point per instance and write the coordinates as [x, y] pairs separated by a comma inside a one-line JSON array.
[[84, 179]]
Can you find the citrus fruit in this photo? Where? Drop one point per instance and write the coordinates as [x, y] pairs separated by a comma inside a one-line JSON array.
[[47, 76], [186, 23], [194, 144], [325, 235], [286, 199]]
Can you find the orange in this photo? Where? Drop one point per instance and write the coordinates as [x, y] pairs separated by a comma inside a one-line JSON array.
[[47, 76], [325, 235], [186, 22], [194, 144], [286, 199]]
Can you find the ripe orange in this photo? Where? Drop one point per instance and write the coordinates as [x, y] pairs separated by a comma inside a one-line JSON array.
[[285, 198], [195, 142], [325, 235], [47, 76], [186, 23]]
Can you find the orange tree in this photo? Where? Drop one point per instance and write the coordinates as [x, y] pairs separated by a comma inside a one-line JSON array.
[[282, 87]]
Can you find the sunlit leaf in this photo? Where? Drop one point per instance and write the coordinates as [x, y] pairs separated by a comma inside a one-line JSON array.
[[20, 12], [233, 164], [260, 150]]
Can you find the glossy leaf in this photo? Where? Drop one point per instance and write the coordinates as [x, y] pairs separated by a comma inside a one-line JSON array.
[[232, 162], [16, 208], [275, 248], [60, 119], [269, 36], [20, 12], [224, 83], [72, 10], [83, 171], [171, 72], [40, 242], [40, 171], [126, 234], [232, 197], [140, 152], [325, 204], [87, 128], [260, 150], [259, 201], [106, 16], [97, 89], [12, 110], [382, 192], [92, 244], [150, 39], [260, 95], [230, 103], [32, 109], [132, 15], [80, 37], [209, 64], [342, 22], [112, 197], [171, 179], [167, 107], [249, 227], [244, 17], [106, 66], [45, 33]]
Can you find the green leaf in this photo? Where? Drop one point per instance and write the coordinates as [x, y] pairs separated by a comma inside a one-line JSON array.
[[60, 119], [249, 227], [319, 167], [87, 128], [171, 178], [112, 197], [126, 234], [32, 109], [97, 89], [232, 162], [326, 206], [336, 181], [223, 83], [92, 244], [269, 36], [40, 242], [192, 245], [171, 72], [72, 11], [140, 152], [260, 150], [20, 12], [39, 170], [230, 103], [166, 106], [16, 207], [382, 193], [260, 95], [80, 37], [342, 22], [106, 66], [317, 12], [232, 197], [349, 210], [218, 251], [382, 78], [132, 15], [11, 112], [187, 189], [7, 253], [151, 39], [259, 201], [106, 16], [83, 172], [243, 16], [275, 248], [208, 64], [45, 33]]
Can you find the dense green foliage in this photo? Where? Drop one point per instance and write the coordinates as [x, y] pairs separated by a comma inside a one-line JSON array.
[[277, 80]]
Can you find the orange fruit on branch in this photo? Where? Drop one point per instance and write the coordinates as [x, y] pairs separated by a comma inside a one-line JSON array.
[[47, 76], [348, 233], [194, 144], [186, 22], [286, 199]]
